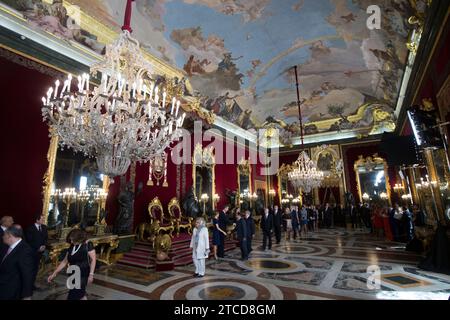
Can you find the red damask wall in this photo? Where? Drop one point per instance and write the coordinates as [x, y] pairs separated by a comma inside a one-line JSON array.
[[24, 141]]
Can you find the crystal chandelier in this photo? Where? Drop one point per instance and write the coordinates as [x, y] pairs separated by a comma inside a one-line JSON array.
[[305, 175], [126, 118]]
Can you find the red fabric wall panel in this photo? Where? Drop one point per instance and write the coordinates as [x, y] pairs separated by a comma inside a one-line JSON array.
[[24, 141]]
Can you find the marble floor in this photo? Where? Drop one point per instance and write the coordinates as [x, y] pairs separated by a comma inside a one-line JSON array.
[[329, 264]]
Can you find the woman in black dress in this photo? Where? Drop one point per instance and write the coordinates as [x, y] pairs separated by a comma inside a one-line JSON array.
[[82, 254], [216, 233]]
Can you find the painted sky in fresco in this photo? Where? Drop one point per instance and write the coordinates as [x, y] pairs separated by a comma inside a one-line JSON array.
[[341, 62], [238, 54]]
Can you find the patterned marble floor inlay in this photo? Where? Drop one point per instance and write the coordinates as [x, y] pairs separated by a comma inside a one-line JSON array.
[[225, 292], [328, 264], [262, 264], [404, 281]]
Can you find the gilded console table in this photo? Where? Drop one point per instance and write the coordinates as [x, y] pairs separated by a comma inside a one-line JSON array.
[[106, 243]]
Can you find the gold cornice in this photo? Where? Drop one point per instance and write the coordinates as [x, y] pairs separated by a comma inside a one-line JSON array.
[[33, 58], [14, 13]]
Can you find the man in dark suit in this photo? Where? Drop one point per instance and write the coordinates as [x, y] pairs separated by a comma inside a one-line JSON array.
[[328, 215], [295, 221], [16, 266], [267, 227], [37, 236], [223, 221], [241, 234], [277, 223], [250, 230]]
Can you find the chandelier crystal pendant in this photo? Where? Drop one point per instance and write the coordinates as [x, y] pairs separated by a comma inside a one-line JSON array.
[[126, 118], [305, 175]]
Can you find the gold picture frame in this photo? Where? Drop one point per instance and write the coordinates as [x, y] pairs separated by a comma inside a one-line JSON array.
[[370, 163], [204, 158]]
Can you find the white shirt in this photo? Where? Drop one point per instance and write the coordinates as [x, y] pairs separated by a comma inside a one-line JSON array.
[[38, 226], [14, 244], [4, 228]]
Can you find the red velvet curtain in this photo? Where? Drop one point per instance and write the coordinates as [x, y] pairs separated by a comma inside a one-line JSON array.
[[24, 141]]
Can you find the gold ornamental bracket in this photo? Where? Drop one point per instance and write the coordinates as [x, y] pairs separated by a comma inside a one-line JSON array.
[[193, 105]]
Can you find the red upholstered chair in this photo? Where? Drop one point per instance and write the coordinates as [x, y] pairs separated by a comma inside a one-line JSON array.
[[155, 209], [181, 222]]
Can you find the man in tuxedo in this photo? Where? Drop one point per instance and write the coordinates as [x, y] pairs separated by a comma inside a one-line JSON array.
[[37, 236], [267, 227], [277, 223], [16, 266], [250, 230], [241, 234], [223, 221]]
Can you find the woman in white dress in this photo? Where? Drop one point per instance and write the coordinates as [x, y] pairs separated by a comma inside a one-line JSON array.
[[200, 246]]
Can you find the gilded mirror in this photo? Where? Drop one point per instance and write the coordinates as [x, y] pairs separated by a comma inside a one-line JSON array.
[[203, 175], [372, 179], [74, 190], [244, 173], [285, 189]]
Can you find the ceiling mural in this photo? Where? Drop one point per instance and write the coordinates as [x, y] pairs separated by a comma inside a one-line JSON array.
[[238, 55]]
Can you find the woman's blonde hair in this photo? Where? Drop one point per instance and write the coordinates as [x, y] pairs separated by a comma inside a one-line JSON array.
[[201, 221]]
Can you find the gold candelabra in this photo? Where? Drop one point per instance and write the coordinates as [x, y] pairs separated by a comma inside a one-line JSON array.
[[272, 194], [204, 198], [69, 196], [83, 197], [216, 199], [100, 197]]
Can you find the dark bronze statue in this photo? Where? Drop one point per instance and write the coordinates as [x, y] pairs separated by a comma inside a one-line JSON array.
[[191, 207], [124, 221], [231, 195]]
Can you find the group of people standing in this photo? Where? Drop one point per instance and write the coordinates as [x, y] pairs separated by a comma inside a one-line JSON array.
[[21, 253]]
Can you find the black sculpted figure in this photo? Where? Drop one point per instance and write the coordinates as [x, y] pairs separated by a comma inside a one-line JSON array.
[[191, 206], [124, 221]]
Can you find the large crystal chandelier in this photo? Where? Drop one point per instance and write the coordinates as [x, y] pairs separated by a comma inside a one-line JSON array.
[[305, 175], [125, 118]]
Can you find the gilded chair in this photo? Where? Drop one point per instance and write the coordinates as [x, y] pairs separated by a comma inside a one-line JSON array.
[[155, 209], [181, 222]]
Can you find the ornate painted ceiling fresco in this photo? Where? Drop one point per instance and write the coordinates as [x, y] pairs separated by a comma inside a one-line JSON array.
[[238, 55]]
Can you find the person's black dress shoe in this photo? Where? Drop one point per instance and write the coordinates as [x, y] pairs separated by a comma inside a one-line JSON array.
[[195, 274]]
